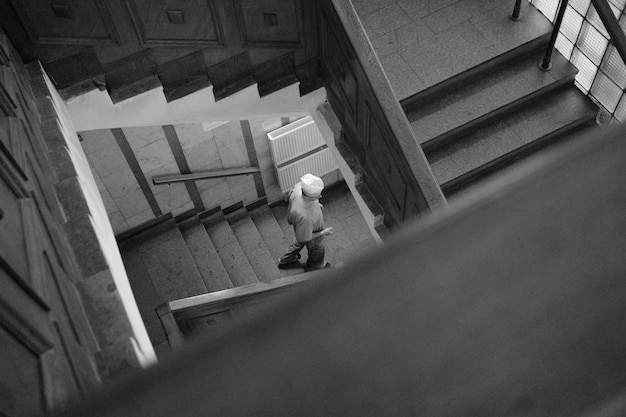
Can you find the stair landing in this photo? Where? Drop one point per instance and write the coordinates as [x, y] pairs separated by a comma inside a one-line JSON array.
[[421, 44]]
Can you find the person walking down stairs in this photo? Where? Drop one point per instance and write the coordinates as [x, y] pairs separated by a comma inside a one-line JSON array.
[[306, 217]]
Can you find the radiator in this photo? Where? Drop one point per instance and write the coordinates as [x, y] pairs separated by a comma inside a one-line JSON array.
[[298, 148], [319, 163], [293, 140]]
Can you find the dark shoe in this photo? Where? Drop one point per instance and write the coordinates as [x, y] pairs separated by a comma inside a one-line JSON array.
[[289, 265], [310, 268]]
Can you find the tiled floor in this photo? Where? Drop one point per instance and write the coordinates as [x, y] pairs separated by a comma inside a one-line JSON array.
[[423, 42]]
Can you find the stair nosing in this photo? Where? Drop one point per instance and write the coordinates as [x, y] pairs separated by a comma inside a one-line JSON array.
[[185, 230], [473, 125], [217, 220], [521, 152]]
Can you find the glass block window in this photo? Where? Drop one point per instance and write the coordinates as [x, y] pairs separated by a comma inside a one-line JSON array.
[[572, 23], [594, 19], [620, 112], [564, 46], [619, 4], [606, 92], [584, 41], [586, 69], [547, 7], [581, 6], [614, 67], [592, 43]]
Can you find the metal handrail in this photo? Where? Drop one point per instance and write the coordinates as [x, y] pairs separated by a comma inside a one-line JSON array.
[[516, 10], [612, 26], [546, 65]]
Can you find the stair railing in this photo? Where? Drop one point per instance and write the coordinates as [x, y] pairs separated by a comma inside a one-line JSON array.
[[612, 26], [516, 10], [545, 64]]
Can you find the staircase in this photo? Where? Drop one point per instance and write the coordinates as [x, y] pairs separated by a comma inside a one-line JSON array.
[[173, 258], [489, 116]]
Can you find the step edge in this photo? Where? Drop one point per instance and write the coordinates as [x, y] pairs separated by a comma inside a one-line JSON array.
[[472, 126], [521, 152]]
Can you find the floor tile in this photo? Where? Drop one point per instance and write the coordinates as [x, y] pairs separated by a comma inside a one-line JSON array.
[[420, 8], [453, 15], [385, 20], [139, 137], [401, 38], [402, 78], [365, 7], [448, 53], [506, 34]]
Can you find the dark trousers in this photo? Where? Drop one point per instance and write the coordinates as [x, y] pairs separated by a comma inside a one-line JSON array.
[[315, 249]]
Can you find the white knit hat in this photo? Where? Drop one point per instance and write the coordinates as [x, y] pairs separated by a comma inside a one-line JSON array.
[[312, 186]]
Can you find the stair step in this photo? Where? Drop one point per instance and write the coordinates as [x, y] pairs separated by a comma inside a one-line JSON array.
[[459, 111], [463, 76], [280, 214], [229, 250], [514, 136], [272, 234], [253, 245], [270, 230], [169, 264], [205, 255]]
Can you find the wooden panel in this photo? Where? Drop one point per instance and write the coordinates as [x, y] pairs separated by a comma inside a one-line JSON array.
[[20, 385], [66, 22], [23, 312], [381, 159], [12, 241], [46, 342], [4, 55], [271, 23], [231, 75], [177, 22], [340, 75]]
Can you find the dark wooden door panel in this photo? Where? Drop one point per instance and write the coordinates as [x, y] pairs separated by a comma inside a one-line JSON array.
[[21, 391], [12, 242]]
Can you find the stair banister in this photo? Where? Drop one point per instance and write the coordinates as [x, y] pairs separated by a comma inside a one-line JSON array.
[[612, 26], [516, 10], [545, 65]]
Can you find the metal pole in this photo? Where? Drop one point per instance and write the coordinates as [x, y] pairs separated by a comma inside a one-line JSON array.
[[516, 10], [546, 65]]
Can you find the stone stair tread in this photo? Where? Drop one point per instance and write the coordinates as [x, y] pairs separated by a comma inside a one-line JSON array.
[[459, 53], [170, 265], [205, 256], [511, 133], [274, 236], [270, 230], [229, 250], [486, 96], [253, 245]]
